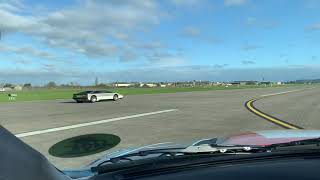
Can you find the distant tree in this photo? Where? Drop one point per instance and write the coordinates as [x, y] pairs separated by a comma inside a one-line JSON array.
[[102, 85], [145, 86], [136, 85], [51, 84], [27, 85], [8, 85], [96, 82]]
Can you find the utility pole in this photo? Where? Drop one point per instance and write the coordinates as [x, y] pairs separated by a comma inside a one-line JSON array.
[[96, 82]]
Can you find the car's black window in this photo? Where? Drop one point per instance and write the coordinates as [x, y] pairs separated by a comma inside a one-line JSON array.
[[97, 92], [85, 92], [106, 91]]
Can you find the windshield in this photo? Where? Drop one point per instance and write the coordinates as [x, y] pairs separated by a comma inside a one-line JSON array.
[[85, 92], [80, 79]]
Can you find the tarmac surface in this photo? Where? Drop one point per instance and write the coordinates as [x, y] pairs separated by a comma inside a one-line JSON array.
[[147, 119]]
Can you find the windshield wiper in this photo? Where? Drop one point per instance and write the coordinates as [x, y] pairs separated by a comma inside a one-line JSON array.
[[202, 149], [173, 152], [299, 144]]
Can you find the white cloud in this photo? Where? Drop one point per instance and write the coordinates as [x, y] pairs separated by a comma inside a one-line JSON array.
[[196, 33], [49, 67], [250, 47], [251, 20], [85, 27], [235, 2], [192, 31], [23, 62], [165, 59], [27, 50], [128, 56], [247, 62], [11, 5], [17, 23], [311, 4], [262, 23], [189, 3], [8, 7], [313, 27], [170, 61], [219, 66]]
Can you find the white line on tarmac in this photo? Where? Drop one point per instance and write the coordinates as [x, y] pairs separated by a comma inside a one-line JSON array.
[[44, 131], [285, 92]]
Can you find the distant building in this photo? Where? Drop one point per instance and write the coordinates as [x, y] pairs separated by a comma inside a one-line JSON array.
[[2, 89], [96, 81], [279, 83], [265, 82], [7, 89], [122, 84], [148, 85], [17, 88], [163, 85], [244, 82], [152, 85]]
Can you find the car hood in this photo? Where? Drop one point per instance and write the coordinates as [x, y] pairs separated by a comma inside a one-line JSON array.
[[253, 138], [26, 159], [265, 138]]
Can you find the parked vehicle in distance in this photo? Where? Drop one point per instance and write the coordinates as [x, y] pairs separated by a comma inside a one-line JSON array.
[[98, 95]]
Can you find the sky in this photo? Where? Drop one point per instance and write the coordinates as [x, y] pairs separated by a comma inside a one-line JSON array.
[[169, 40]]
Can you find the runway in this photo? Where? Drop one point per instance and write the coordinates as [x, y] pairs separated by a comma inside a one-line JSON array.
[[147, 119]]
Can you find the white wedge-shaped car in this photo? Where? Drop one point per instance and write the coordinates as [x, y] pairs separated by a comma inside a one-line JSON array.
[[96, 95]]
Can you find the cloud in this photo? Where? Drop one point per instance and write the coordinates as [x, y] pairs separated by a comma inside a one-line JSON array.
[[23, 62], [196, 33], [191, 31], [311, 4], [27, 50], [250, 47], [313, 27], [12, 5], [153, 45], [246, 62], [165, 59], [8, 7], [234, 2], [40, 77], [128, 56], [261, 23], [283, 55], [180, 73], [187, 3], [219, 66], [90, 32], [251, 20], [48, 67]]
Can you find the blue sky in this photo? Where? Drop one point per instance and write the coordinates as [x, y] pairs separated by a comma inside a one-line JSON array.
[[169, 40]]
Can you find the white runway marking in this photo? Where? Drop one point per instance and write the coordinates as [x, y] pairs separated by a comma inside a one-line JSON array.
[[285, 92], [44, 131]]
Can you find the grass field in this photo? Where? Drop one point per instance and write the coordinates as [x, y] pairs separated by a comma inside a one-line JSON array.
[[60, 93]]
